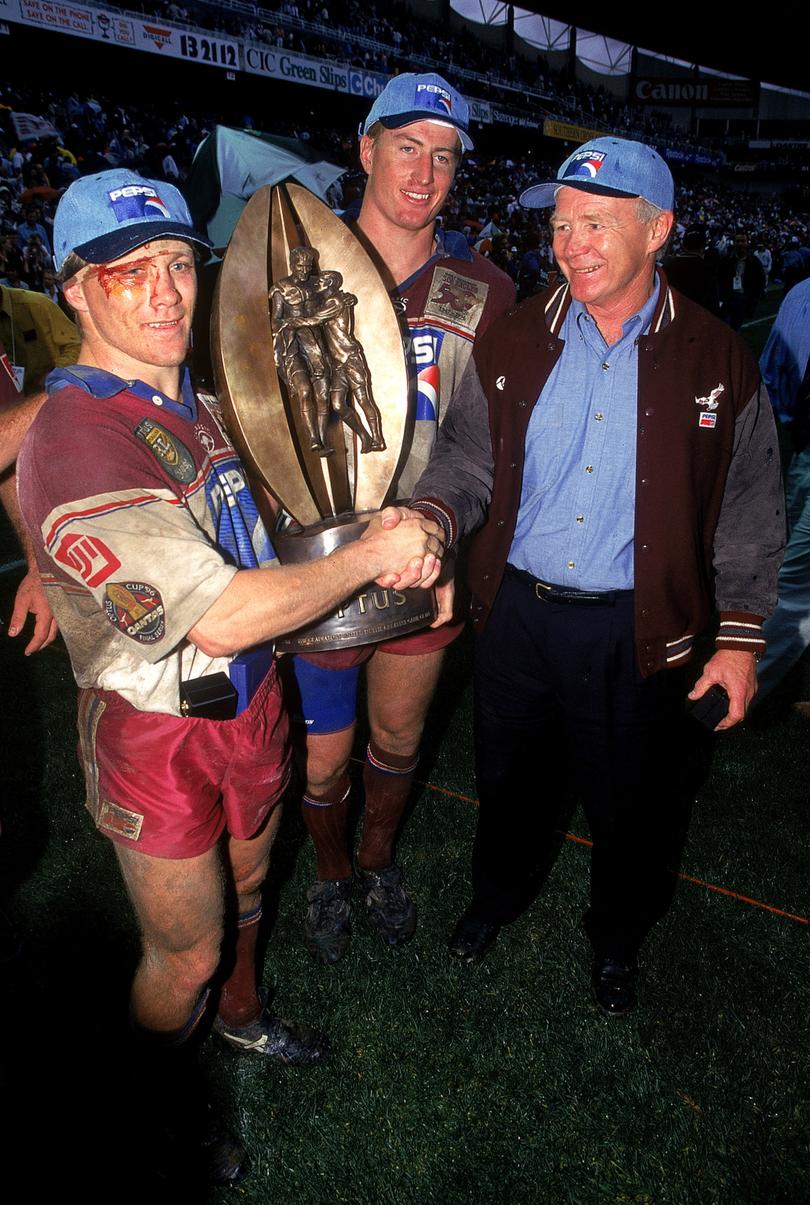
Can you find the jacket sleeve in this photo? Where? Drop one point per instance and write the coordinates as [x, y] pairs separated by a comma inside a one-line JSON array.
[[58, 333], [456, 486], [750, 535]]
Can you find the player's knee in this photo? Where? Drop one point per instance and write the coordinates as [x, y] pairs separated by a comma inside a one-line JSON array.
[[189, 963], [402, 739], [324, 775], [248, 881]]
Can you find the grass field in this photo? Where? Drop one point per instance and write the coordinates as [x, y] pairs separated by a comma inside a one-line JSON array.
[[498, 1083]]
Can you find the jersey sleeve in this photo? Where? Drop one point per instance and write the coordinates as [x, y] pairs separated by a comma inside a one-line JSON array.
[[111, 528]]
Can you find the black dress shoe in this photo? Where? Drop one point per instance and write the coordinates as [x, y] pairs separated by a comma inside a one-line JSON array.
[[473, 939], [614, 986]]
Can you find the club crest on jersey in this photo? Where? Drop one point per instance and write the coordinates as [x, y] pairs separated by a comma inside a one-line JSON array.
[[584, 166], [135, 201], [204, 437], [88, 556], [172, 453], [136, 610], [437, 98]]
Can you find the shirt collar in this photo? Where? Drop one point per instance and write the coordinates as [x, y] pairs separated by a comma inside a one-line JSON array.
[[447, 243], [101, 384], [637, 324]]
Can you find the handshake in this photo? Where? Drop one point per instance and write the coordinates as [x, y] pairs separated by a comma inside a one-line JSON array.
[[404, 548]]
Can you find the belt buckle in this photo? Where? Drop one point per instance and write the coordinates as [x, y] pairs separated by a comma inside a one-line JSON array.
[[539, 587]]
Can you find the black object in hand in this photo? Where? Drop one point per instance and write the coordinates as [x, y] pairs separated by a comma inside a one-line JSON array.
[[710, 708]]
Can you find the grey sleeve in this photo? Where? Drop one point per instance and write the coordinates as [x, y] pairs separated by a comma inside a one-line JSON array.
[[460, 471], [750, 536]]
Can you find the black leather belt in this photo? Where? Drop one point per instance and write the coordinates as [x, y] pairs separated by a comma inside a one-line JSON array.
[[550, 592]]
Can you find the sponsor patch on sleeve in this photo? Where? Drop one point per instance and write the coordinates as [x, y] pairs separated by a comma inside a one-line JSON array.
[[88, 556], [136, 609], [172, 453]]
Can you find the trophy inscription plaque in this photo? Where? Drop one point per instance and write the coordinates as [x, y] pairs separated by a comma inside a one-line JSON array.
[[311, 371]]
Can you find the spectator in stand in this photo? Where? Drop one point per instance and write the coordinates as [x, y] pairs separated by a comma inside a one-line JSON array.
[[765, 258], [691, 274], [741, 281], [33, 225], [37, 261]]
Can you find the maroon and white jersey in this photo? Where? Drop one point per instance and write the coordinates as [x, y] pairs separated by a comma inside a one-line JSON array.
[[141, 515]]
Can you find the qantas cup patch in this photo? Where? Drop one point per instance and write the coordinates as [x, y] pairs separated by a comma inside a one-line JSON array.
[[136, 610]]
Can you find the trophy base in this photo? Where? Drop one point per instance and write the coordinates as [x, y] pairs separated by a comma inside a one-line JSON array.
[[372, 615]]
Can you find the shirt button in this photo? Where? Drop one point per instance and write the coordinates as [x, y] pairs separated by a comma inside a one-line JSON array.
[[644, 612], [570, 564], [513, 465], [599, 416], [588, 468], [521, 403], [157, 399], [500, 523], [580, 518], [649, 411], [605, 366], [644, 481]]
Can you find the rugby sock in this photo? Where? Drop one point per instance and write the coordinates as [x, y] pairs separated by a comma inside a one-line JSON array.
[[172, 1038], [326, 817], [239, 1003], [387, 779]]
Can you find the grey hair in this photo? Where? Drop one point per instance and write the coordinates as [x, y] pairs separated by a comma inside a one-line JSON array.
[[646, 211]]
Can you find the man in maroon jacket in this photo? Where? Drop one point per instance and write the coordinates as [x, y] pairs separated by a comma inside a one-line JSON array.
[[616, 444]]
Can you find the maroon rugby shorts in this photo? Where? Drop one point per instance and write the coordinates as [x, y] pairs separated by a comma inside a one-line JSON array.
[[170, 786]]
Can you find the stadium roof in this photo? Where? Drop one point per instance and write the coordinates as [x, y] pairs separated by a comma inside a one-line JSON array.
[[768, 49]]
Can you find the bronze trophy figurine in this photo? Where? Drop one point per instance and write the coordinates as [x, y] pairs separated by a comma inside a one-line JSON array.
[[310, 367]]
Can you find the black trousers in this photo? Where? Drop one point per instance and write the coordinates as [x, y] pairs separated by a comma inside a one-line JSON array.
[[560, 710]]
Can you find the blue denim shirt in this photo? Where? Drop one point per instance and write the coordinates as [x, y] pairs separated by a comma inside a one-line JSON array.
[[577, 506]]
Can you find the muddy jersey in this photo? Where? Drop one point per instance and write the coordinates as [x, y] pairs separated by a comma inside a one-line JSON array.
[[447, 305], [144, 516]]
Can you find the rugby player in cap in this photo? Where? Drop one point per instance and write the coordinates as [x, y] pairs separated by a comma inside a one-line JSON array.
[[446, 296], [168, 595], [614, 443]]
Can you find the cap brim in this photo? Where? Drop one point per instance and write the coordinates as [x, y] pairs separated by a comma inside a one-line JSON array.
[[541, 196], [112, 246], [406, 119]]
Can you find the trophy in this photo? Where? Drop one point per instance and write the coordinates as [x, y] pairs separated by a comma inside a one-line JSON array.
[[310, 369]]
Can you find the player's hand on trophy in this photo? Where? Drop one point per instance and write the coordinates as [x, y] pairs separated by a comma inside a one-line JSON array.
[[410, 545]]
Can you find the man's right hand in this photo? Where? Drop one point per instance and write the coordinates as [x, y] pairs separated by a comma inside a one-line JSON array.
[[408, 545]]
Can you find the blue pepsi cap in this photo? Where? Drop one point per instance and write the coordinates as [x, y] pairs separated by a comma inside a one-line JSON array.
[[102, 217], [410, 97], [609, 167]]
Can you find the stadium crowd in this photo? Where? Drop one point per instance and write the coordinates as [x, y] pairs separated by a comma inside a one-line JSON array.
[[96, 132]]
